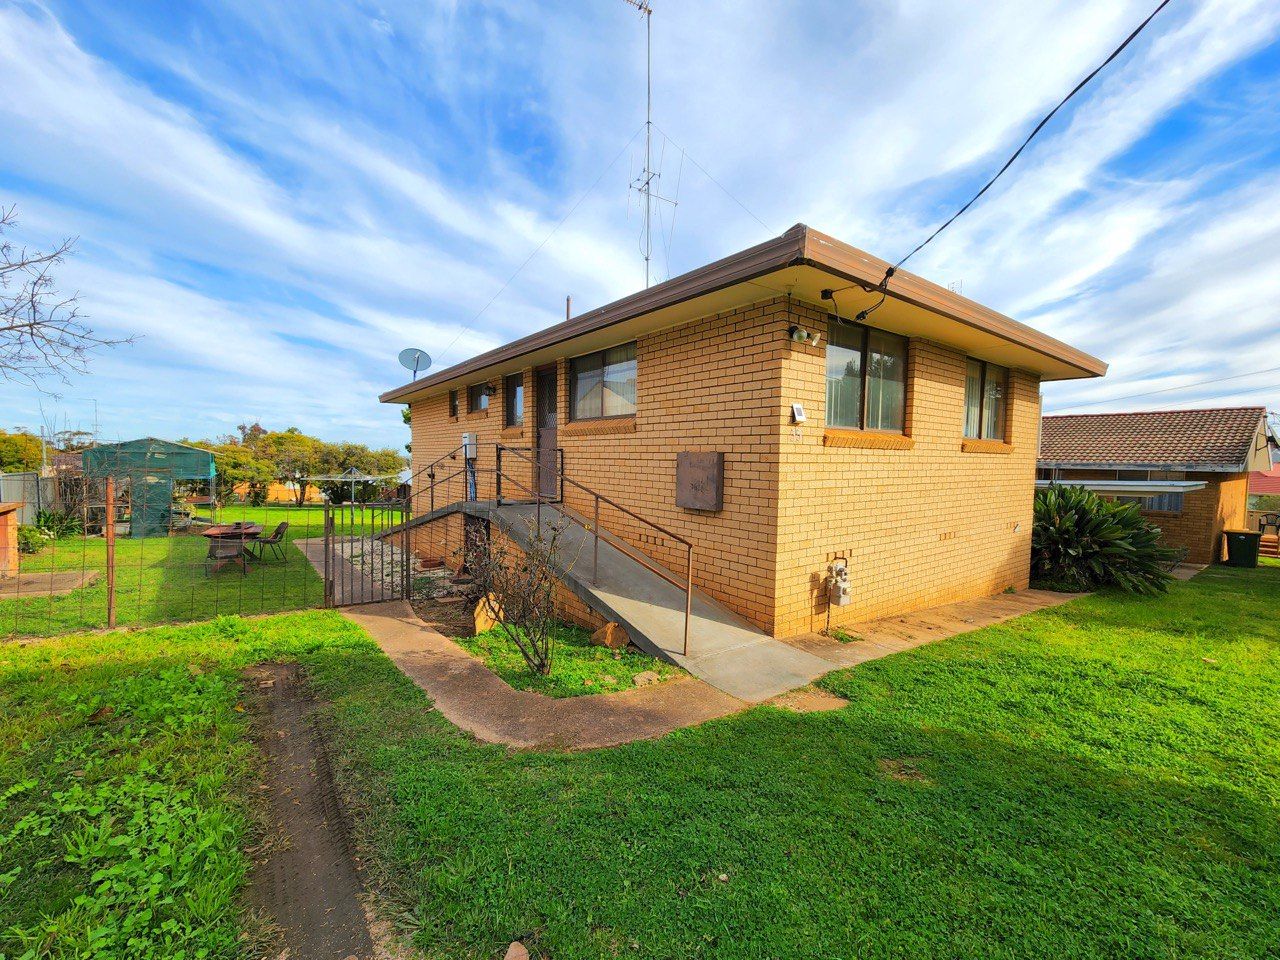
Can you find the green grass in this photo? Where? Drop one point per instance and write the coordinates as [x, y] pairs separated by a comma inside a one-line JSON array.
[[1097, 780], [163, 579], [578, 666], [124, 761]]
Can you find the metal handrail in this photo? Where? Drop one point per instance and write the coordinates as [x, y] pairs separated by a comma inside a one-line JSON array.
[[430, 468], [619, 544]]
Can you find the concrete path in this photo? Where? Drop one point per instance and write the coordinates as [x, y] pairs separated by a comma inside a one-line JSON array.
[[54, 583], [724, 650], [473, 698], [351, 584], [880, 638]]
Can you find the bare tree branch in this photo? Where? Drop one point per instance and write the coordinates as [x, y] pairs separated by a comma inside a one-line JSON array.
[[42, 334], [519, 584]]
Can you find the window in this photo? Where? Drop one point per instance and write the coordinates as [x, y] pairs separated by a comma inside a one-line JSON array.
[[513, 400], [866, 378], [1165, 503], [453, 403], [603, 384], [985, 389], [477, 397]]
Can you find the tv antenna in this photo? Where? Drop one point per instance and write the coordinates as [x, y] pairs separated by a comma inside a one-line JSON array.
[[647, 181]]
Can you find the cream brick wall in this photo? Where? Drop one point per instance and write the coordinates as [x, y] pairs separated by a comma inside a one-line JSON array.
[[925, 524], [711, 385], [921, 526]]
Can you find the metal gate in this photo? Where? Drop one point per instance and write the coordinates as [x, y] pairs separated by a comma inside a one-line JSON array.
[[366, 553]]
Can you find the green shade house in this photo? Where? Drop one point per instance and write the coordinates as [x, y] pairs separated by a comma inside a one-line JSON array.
[[150, 467]]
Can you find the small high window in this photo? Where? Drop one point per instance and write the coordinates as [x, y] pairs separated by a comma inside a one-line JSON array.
[[866, 378], [513, 400], [603, 384], [477, 397], [453, 403], [986, 387]]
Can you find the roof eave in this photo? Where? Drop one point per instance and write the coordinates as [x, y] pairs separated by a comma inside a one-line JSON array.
[[774, 254], [800, 245]]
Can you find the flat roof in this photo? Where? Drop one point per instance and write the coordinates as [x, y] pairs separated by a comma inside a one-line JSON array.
[[801, 263]]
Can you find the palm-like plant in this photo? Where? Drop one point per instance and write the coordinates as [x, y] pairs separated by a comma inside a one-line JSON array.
[[1080, 541]]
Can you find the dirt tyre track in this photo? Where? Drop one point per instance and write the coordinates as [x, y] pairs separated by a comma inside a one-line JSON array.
[[305, 880]]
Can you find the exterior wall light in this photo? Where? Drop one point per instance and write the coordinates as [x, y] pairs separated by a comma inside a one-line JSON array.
[[801, 335]]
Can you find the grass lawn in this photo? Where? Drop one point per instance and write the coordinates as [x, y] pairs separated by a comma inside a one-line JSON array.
[[578, 666], [163, 579], [1101, 779]]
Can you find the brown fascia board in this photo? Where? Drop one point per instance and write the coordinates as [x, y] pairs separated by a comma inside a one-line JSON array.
[[746, 265], [834, 256], [799, 246]]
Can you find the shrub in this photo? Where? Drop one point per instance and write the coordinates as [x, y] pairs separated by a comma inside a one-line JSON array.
[[57, 525], [1080, 541], [30, 539]]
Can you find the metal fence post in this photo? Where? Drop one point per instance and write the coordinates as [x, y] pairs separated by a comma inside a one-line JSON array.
[[110, 531], [327, 545]]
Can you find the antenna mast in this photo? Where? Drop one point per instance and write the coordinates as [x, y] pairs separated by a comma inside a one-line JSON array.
[[644, 183]]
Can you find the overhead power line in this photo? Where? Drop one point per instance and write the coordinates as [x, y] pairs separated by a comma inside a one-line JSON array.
[[1038, 127], [706, 173], [577, 203], [1185, 386]]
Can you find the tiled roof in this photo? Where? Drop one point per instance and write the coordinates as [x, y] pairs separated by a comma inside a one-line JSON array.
[[1173, 438], [1265, 483]]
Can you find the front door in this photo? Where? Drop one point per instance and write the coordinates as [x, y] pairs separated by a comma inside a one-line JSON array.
[[547, 454]]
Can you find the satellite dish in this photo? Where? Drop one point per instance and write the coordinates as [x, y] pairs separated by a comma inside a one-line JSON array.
[[411, 358]]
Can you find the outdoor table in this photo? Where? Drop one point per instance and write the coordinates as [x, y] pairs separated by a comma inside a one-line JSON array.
[[231, 531]]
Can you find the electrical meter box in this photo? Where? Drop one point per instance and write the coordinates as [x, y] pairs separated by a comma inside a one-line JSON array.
[[470, 447]]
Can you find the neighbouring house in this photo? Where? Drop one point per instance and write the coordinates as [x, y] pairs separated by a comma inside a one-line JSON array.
[[278, 492], [1264, 504], [1264, 487], [742, 409], [1187, 469]]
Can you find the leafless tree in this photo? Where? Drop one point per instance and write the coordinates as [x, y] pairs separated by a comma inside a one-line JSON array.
[[519, 584], [42, 333]]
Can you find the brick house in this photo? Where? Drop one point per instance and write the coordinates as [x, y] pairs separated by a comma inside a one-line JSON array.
[[823, 440], [1188, 469]]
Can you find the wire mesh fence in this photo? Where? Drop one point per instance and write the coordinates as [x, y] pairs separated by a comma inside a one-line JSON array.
[[148, 547], [366, 553]]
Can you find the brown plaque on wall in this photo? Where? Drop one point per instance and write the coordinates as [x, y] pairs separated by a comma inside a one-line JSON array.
[[700, 481]]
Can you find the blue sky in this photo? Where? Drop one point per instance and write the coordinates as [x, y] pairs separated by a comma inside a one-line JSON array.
[[277, 197]]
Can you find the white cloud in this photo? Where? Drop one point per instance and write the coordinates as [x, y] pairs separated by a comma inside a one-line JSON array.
[[356, 178]]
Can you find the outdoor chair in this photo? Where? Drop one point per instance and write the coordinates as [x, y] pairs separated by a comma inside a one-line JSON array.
[[275, 543], [1269, 520], [222, 550], [180, 518]]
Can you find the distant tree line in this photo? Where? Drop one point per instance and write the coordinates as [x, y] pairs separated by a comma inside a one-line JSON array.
[[257, 457]]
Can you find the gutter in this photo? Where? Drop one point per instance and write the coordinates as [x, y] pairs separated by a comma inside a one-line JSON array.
[[1135, 465], [745, 265], [799, 246]]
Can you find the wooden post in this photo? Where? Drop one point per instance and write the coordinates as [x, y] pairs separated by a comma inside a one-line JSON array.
[[110, 531]]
